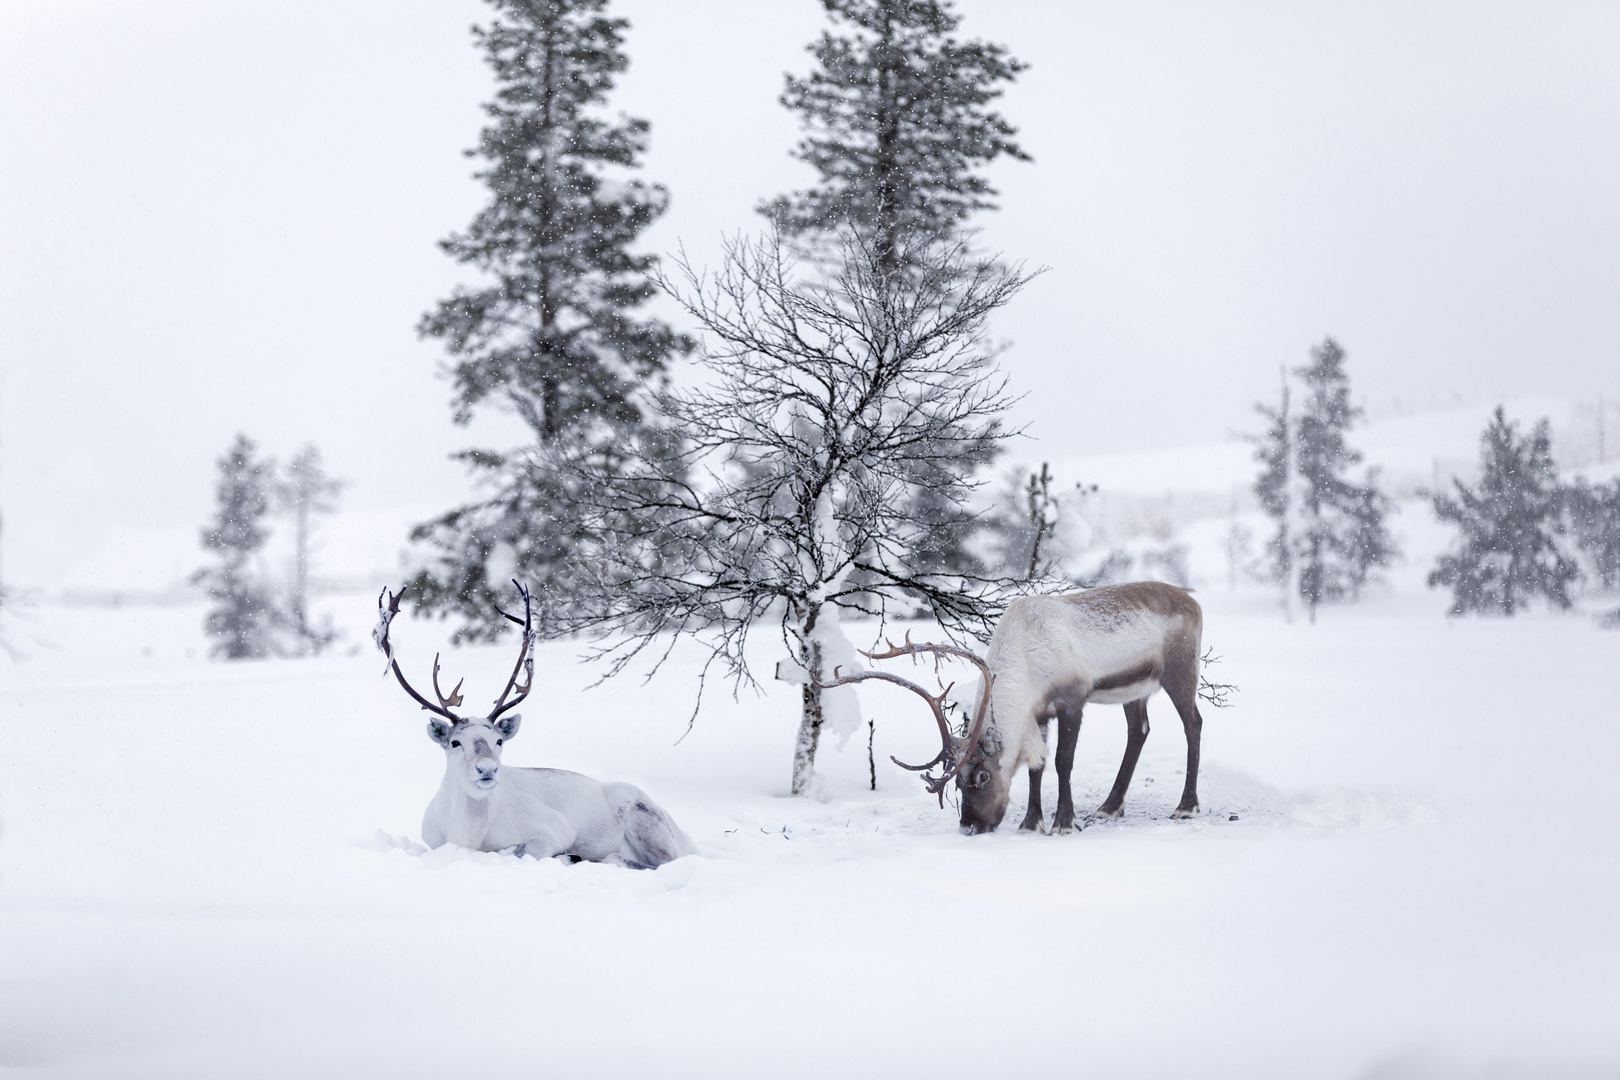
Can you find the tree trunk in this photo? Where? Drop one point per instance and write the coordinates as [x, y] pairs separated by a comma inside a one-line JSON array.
[[804, 750], [871, 760]]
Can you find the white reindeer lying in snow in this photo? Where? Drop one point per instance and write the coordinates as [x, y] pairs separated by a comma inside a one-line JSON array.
[[539, 812]]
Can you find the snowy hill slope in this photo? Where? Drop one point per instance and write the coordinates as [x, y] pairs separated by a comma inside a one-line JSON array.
[[1155, 495]]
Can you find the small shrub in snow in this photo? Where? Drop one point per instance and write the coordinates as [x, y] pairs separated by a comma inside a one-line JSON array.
[[1024, 522], [1507, 548]]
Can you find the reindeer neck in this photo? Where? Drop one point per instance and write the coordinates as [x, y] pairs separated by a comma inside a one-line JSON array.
[[467, 820]]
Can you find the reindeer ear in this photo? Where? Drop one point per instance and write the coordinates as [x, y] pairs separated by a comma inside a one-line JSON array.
[[508, 725], [439, 731]]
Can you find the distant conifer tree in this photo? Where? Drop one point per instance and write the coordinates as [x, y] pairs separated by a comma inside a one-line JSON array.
[[1274, 487], [1331, 534], [897, 125], [305, 492], [554, 334], [1507, 550], [1342, 536], [243, 617], [1594, 517]]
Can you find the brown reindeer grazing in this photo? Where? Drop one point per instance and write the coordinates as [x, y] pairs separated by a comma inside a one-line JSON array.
[[1050, 656]]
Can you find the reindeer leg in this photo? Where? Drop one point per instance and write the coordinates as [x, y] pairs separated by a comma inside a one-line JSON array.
[[1034, 819], [1068, 733], [1181, 685], [1136, 733]]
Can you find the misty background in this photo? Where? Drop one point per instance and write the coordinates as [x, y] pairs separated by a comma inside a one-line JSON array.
[[219, 218]]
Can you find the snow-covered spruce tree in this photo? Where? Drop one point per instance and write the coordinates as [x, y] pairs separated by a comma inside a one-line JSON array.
[[1330, 533], [304, 492], [1341, 537], [243, 618], [553, 333], [897, 125], [1594, 523], [825, 399], [1507, 549]]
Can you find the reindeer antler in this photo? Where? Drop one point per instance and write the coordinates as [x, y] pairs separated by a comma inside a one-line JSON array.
[[388, 607], [385, 617], [525, 660], [947, 757], [455, 695]]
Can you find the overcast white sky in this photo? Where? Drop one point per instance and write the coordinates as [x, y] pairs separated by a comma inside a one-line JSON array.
[[218, 216]]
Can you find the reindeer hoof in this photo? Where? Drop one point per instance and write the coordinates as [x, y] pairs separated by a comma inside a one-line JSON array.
[[1107, 812], [1032, 825], [1064, 827], [1183, 812]]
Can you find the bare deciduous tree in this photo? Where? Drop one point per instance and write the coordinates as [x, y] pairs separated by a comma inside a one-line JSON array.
[[780, 489]]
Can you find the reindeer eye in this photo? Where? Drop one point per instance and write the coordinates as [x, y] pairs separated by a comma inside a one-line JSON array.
[[455, 742], [499, 741]]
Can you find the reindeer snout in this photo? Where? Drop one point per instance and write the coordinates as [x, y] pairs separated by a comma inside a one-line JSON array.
[[487, 771]]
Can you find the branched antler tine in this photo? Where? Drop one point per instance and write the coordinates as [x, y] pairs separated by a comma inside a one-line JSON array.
[[525, 661], [935, 706], [384, 643], [939, 757], [455, 695], [976, 730], [933, 702]]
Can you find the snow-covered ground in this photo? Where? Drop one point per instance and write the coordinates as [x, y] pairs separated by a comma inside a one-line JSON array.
[[1407, 866]]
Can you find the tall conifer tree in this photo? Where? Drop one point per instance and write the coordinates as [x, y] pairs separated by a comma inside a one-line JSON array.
[[898, 125], [554, 332]]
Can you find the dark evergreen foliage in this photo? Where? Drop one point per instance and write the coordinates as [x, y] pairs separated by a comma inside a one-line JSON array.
[[1594, 522], [898, 125], [1330, 534], [1507, 551], [243, 617], [1342, 535], [554, 333]]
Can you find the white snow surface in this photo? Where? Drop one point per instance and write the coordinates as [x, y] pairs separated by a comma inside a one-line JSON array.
[[1406, 867]]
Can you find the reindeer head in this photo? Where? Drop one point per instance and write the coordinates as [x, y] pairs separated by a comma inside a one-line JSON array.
[[472, 745], [982, 783], [474, 750], [972, 760]]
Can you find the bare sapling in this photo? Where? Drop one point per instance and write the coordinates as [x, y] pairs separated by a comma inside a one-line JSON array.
[[783, 488]]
